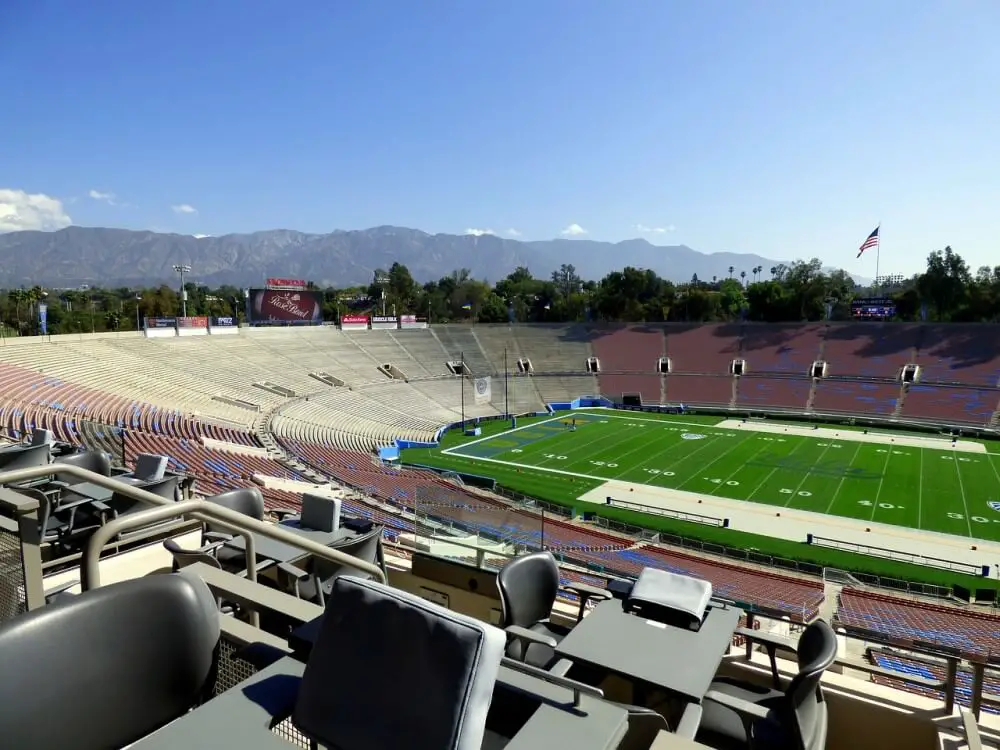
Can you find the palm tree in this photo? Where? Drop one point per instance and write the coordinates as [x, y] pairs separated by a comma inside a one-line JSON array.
[[743, 277], [756, 271], [731, 269], [774, 270]]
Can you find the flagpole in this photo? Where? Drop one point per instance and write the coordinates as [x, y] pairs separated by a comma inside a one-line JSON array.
[[878, 253]]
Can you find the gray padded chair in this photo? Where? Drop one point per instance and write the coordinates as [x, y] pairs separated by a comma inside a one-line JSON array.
[[741, 715], [104, 669], [25, 456], [40, 436], [95, 461], [442, 667], [316, 583], [149, 467], [528, 588], [245, 500]]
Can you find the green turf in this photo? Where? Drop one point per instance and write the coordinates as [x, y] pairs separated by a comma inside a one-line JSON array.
[[921, 488]]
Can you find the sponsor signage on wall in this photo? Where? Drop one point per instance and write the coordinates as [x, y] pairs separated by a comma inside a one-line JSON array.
[[285, 306], [287, 284], [197, 321], [224, 322], [385, 322], [161, 322], [353, 322], [412, 321]]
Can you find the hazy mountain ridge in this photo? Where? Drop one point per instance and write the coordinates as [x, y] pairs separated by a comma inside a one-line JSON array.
[[123, 257]]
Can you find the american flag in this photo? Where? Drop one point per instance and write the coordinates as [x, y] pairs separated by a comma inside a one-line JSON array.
[[870, 241]]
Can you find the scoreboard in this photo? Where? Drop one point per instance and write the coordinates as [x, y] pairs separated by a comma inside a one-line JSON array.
[[873, 307]]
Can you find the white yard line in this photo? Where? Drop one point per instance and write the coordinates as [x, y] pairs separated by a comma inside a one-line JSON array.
[[738, 470], [881, 481], [961, 487], [843, 479], [808, 474], [722, 455]]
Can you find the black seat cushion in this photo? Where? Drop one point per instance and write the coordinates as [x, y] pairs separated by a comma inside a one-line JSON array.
[[722, 728], [105, 668]]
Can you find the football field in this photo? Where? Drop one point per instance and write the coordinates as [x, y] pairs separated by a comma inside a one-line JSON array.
[[924, 485]]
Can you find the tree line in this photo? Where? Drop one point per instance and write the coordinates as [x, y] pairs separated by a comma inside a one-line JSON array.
[[947, 290]]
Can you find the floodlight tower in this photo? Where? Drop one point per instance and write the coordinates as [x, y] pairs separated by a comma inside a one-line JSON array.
[[183, 269]]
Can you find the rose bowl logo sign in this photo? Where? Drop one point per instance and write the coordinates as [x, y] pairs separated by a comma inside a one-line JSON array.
[[482, 386], [289, 305]]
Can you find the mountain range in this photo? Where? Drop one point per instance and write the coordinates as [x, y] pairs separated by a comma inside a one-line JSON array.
[[100, 256]]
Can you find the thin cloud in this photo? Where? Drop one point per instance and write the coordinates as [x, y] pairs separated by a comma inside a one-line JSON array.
[[643, 229], [184, 208], [513, 232], [102, 196], [573, 230], [479, 232], [21, 211]]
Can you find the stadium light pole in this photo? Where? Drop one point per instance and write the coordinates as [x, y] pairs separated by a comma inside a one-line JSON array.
[[183, 269], [138, 299]]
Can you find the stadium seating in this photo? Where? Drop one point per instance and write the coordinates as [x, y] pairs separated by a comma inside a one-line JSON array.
[[913, 667], [780, 393], [906, 622], [703, 349], [854, 397], [967, 354], [628, 358], [950, 403], [869, 350], [782, 348]]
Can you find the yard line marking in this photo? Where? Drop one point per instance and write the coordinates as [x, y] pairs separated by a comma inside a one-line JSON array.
[[738, 470], [452, 451], [961, 486], [704, 468], [881, 481], [808, 474], [766, 479], [843, 479]]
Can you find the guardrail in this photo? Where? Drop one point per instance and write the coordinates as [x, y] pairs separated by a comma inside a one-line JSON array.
[[25, 510]]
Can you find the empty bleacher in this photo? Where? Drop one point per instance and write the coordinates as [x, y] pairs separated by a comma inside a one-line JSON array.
[[968, 354], [869, 350], [781, 393], [628, 358], [703, 349], [909, 622], [854, 397], [781, 348]]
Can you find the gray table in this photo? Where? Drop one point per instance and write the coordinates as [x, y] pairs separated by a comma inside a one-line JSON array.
[[682, 662], [91, 491], [271, 549], [240, 717]]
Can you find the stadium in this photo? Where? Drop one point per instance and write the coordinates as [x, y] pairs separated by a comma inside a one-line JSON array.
[[843, 471]]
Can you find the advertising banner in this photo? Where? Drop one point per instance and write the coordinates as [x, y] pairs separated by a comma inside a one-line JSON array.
[[285, 306], [161, 322], [43, 318], [412, 321], [224, 322], [385, 322], [197, 321], [353, 322], [287, 284]]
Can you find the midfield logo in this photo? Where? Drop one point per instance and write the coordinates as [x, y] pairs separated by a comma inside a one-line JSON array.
[[994, 505]]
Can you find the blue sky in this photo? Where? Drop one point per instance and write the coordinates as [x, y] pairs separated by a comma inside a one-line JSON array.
[[787, 129]]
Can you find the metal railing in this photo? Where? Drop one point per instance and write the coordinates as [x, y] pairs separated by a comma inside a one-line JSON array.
[[25, 511]]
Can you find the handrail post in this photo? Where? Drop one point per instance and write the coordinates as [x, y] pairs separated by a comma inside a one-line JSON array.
[[749, 642], [978, 680], [951, 679]]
